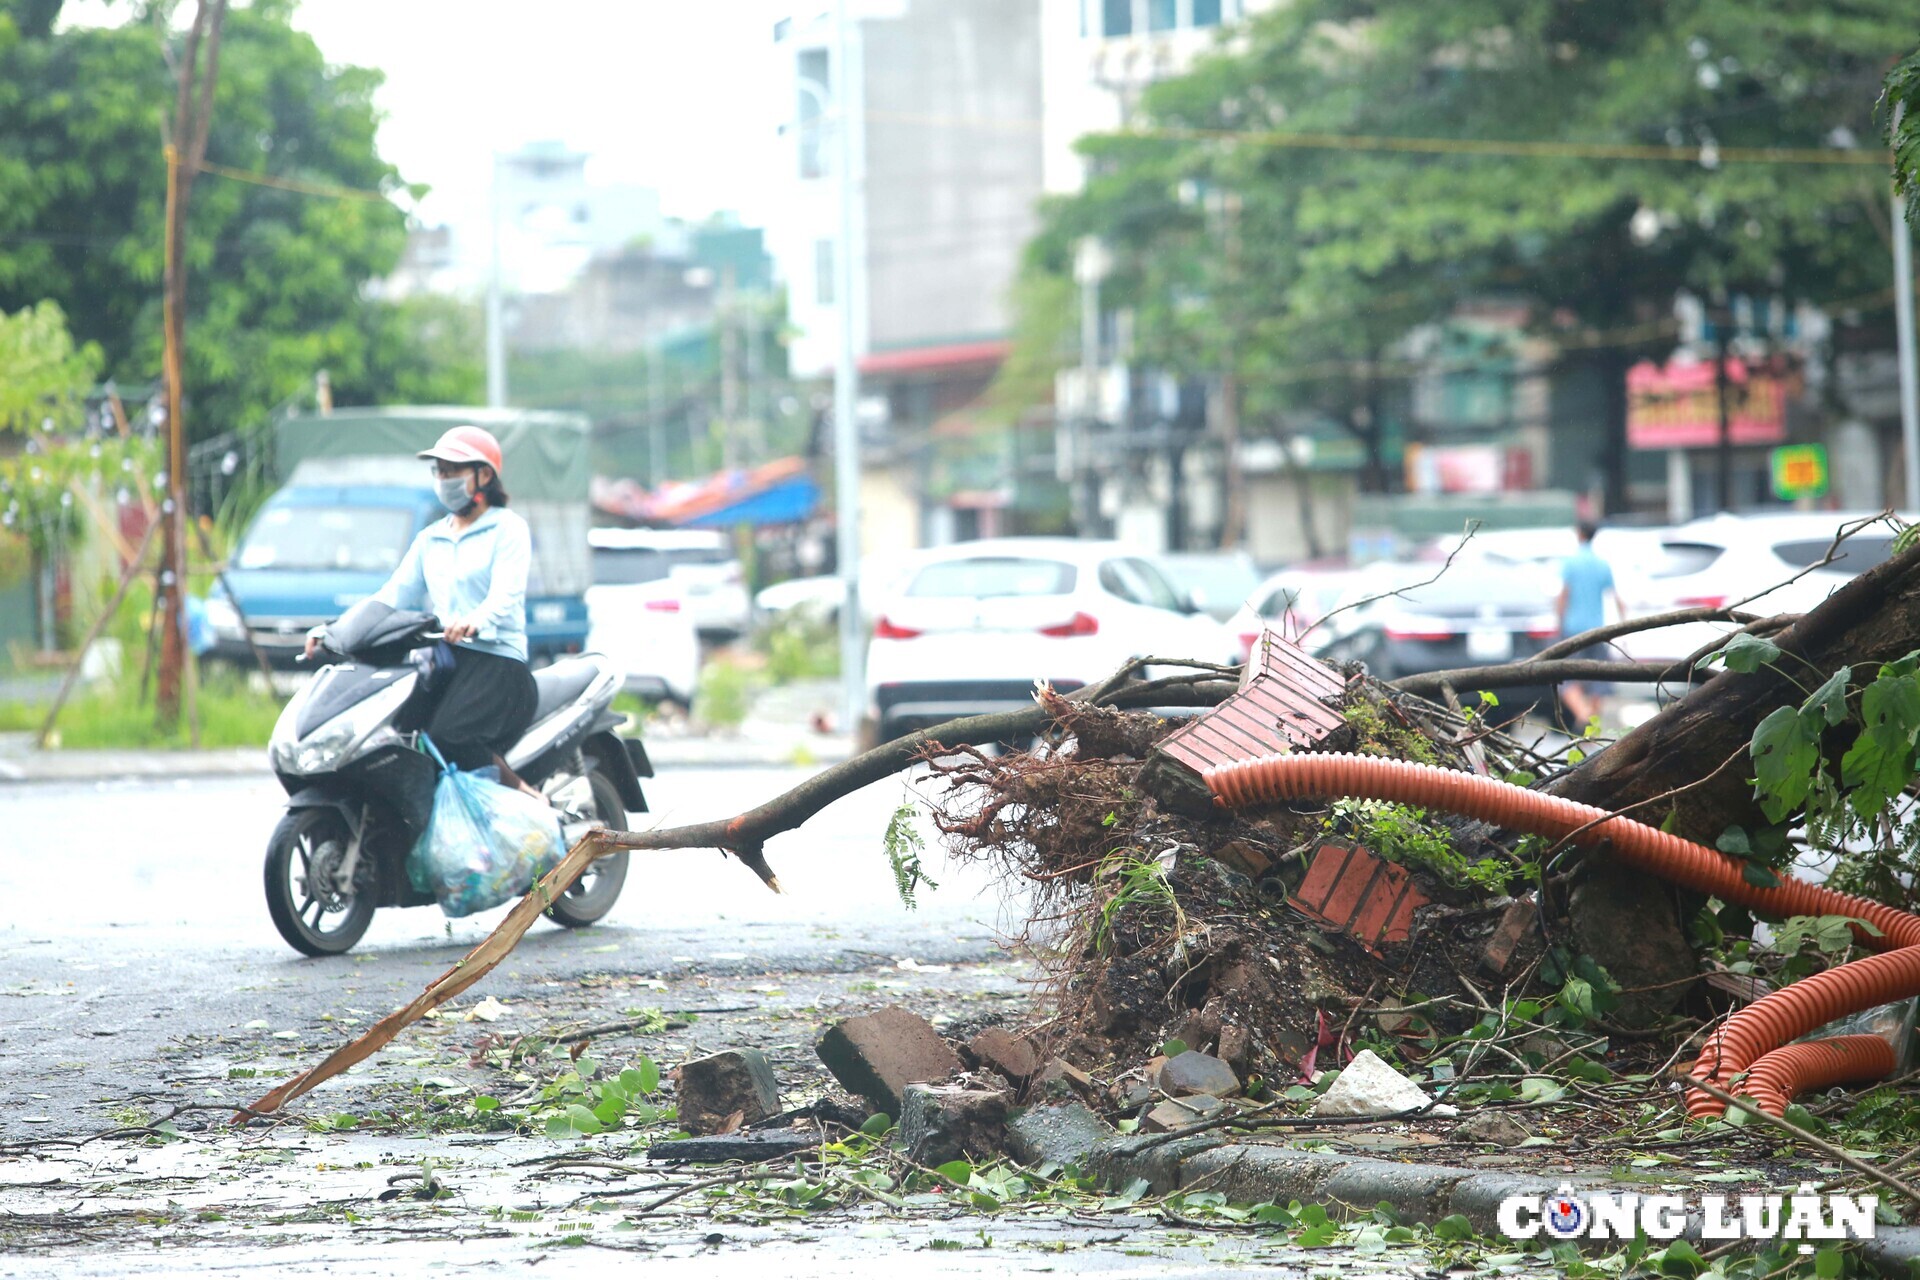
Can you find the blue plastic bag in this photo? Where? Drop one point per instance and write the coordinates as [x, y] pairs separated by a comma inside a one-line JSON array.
[[484, 844]]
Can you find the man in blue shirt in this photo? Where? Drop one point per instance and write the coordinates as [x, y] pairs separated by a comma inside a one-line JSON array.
[[1585, 583]]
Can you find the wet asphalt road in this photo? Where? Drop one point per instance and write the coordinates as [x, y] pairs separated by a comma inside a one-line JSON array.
[[132, 917], [137, 964]]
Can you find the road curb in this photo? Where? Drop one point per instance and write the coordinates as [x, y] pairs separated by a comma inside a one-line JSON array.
[[1258, 1172]]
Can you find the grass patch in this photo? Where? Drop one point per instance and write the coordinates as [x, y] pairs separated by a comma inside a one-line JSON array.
[[111, 715]]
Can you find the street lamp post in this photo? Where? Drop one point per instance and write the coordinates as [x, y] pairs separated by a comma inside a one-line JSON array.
[[496, 335], [1903, 337], [846, 386]]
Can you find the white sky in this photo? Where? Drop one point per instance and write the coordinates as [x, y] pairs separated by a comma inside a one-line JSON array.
[[671, 94]]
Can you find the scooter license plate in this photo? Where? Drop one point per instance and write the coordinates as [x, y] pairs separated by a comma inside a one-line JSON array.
[[1489, 644]]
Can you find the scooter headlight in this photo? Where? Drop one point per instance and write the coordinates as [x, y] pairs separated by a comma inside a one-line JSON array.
[[360, 727]]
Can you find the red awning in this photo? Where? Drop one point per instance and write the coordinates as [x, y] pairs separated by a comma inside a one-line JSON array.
[[957, 355]]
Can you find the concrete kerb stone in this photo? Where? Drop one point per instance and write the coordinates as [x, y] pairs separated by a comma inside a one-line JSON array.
[[1352, 1185]]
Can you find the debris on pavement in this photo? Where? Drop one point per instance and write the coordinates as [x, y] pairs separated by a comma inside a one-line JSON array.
[[1369, 1087], [723, 1091], [877, 1056]]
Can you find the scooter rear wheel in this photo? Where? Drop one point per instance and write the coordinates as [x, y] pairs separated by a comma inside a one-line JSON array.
[[315, 918], [594, 893]]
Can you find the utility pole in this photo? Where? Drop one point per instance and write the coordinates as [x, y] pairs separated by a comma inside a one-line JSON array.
[[729, 372], [656, 417], [846, 387], [186, 151], [1073, 445], [496, 303], [1233, 519], [1723, 320], [1904, 340]]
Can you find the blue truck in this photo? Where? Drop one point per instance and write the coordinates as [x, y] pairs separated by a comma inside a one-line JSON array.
[[352, 499]]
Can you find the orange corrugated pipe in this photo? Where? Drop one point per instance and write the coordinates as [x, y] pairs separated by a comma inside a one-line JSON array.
[[1750, 1040]]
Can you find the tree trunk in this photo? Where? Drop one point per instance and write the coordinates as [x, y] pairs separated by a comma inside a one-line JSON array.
[[1688, 766]]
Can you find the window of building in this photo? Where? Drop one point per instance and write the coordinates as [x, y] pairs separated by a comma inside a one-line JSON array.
[[812, 69], [1116, 17], [1206, 13], [1162, 15], [823, 273]]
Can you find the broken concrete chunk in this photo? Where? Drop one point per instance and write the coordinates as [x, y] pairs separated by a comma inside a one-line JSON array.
[[1194, 1072], [1369, 1087], [1235, 1045], [947, 1122], [1496, 1127], [718, 1094], [1131, 1094], [1066, 1133], [1178, 1113], [998, 1049], [877, 1056], [1515, 923], [1058, 1081]]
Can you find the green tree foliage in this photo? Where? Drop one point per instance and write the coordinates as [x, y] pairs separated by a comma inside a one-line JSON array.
[[1903, 96], [1250, 237], [276, 290], [43, 377]]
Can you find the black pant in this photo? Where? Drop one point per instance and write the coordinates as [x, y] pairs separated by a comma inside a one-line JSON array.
[[477, 710]]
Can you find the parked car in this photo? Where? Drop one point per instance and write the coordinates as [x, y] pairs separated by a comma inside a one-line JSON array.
[[1716, 561], [820, 596], [639, 619], [707, 572], [1477, 613], [977, 623], [1218, 581], [1293, 602]]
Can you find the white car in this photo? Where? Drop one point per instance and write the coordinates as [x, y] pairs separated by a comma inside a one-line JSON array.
[[637, 616], [1292, 602], [1722, 559], [704, 568], [977, 623]]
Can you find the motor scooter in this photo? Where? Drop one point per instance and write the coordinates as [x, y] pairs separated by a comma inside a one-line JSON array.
[[360, 791]]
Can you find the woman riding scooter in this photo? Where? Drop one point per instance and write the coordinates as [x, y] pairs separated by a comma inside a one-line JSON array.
[[470, 571]]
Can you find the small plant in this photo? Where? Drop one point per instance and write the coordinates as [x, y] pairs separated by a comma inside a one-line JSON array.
[[722, 698], [1136, 882], [1400, 833], [800, 646], [904, 845]]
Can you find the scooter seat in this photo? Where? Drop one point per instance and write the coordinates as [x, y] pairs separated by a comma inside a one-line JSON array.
[[561, 683]]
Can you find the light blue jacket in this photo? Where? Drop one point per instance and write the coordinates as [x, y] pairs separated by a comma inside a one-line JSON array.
[[477, 574]]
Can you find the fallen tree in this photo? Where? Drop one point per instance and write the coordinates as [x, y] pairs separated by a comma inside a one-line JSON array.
[[1683, 759]]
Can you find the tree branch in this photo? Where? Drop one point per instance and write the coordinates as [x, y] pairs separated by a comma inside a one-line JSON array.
[[742, 836], [1506, 675]]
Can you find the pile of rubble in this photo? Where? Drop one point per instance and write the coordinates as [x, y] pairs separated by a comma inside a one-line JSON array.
[[1197, 960]]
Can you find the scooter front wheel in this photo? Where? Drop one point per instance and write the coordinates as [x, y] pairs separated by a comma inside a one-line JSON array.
[[307, 907], [594, 893]]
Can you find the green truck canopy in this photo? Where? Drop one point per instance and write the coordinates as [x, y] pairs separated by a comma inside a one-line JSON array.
[[544, 465]]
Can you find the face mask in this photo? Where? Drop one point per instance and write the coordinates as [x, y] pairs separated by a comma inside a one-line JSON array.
[[454, 494]]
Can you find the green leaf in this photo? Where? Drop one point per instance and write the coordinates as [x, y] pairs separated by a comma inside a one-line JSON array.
[[1785, 751], [632, 1082], [582, 1120], [1272, 1215], [1453, 1227], [1173, 1048], [1541, 1089], [877, 1125], [1317, 1237], [557, 1127], [1829, 1263], [1746, 653], [610, 1110], [1760, 877], [1829, 701], [486, 1102], [649, 1075], [1681, 1259], [1734, 840]]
